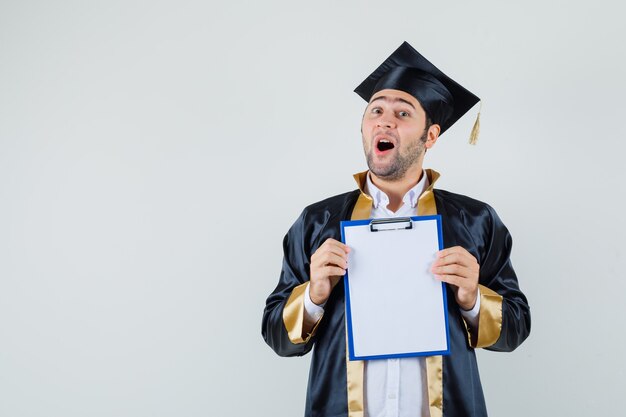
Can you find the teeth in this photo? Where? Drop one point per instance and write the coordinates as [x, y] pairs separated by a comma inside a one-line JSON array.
[[384, 141]]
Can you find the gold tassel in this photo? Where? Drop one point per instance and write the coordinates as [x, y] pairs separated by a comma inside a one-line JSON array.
[[476, 129]]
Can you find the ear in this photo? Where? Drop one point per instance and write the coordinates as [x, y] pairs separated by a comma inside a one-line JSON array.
[[432, 136], [363, 119]]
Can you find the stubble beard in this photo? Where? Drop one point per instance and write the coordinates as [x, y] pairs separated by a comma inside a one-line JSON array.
[[400, 165]]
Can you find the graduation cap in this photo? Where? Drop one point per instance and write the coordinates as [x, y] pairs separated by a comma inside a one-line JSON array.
[[444, 100]]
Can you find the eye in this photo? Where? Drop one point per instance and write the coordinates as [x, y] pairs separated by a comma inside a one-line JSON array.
[[403, 113], [376, 110]]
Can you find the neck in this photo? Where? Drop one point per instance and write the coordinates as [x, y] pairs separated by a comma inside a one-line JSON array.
[[396, 189]]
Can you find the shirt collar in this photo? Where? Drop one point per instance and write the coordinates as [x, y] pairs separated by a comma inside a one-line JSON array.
[[410, 198]]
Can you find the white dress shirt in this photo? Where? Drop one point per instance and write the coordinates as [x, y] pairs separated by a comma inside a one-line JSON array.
[[394, 387]]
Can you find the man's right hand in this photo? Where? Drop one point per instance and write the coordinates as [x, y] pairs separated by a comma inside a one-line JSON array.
[[328, 264]]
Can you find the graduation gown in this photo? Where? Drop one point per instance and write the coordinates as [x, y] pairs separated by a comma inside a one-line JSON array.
[[335, 385]]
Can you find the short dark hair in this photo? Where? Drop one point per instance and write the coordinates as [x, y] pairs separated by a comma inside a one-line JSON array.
[[429, 123]]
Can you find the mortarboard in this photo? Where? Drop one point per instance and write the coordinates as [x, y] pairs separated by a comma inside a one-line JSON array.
[[444, 100]]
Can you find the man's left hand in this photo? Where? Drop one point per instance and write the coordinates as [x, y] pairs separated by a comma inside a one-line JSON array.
[[457, 267]]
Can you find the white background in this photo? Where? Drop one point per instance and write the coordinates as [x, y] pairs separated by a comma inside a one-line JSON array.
[[154, 153]]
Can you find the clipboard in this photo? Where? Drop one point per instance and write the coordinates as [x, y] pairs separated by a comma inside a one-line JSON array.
[[394, 306]]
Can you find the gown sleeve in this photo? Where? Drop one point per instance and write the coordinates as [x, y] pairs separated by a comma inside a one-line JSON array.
[[504, 321], [283, 317]]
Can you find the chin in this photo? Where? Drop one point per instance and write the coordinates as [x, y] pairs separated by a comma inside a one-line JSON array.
[[385, 173]]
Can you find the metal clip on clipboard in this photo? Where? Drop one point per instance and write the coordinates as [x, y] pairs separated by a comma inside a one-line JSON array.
[[397, 223]]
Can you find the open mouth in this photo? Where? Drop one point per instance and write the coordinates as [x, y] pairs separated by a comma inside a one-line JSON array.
[[384, 145]]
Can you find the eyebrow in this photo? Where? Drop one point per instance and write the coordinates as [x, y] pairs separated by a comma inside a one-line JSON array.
[[393, 99]]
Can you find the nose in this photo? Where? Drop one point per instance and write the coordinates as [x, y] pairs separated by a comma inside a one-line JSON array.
[[386, 122]]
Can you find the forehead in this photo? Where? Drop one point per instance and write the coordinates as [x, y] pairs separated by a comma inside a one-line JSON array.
[[396, 96]]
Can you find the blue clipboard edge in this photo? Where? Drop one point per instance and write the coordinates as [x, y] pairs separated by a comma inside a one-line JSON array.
[[346, 283]]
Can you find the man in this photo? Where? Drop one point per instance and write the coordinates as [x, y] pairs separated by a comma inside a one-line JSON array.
[[410, 104]]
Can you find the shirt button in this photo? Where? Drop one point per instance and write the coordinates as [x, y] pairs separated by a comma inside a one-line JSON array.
[[392, 396]]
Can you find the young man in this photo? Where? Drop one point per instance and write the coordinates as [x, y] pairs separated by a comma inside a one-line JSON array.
[[410, 104]]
